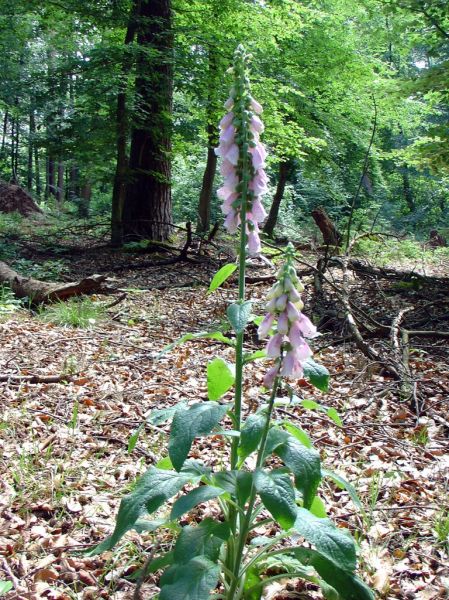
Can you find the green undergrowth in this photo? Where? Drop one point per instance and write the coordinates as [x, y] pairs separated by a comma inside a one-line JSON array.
[[384, 251], [80, 312]]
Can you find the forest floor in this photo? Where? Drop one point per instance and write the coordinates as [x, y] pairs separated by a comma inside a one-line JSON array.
[[64, 446]]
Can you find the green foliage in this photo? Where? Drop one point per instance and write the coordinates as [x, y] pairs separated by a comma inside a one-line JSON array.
[[221, 276], [74, 312], [190, 422], [5, 587], [238, 315], [220, 378], [317, 374], [8, 302]]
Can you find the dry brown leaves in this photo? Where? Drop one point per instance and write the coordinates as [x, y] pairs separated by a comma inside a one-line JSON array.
[[64, 456]]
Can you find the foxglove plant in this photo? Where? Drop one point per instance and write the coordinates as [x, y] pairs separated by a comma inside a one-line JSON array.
[[273, 472]]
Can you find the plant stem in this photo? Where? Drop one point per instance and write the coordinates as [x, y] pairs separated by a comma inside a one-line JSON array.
[[246, 525]]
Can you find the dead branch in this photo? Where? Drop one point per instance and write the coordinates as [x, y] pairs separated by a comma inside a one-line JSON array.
[[42, 291], [16, 379]]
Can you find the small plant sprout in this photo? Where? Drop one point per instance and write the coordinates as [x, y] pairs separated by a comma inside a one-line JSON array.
[[268, 480]]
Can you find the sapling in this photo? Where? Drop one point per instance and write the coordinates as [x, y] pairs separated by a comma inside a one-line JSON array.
[[273, 472]]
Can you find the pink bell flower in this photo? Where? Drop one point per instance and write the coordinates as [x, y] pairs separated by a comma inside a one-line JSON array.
[[283, 324], [270, 376], [232, 154], [274, 345], [306, 326], [291, 365], [226, 120], [265, 326], [256, 125], [292, 312], [258, 211], [257, 108], [254, 246]]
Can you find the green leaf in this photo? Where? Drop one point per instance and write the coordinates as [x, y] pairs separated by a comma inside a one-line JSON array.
[[146, 525], [309, 404], [341, 483], [202, 335], [238, 315], [133, 438], [251, 435], [154, 488], [316, 374], [160, 562], [5, 586], [197, 496], [204, 539], [220, 378], [247, 358], [238, 483], [165, 463], [188, 423], [332, 543], [347, 585], [221, 276], [252, 589], [190, 581], [276, 437], [276, 492], [333, 414], [298, 433], [161, 415], [305, 465], [318, 508]]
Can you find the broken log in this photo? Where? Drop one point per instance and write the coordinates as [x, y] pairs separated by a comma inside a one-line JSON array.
[[43, 291]]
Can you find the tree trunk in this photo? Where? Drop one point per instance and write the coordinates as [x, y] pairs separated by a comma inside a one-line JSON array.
[[331, 236], [407, 189], [85, 198], [60, 185], [5, 130], [147, 212], [207, 186], [270, 224], [51, 187], [30, 154], [119, 190], [213, 104]]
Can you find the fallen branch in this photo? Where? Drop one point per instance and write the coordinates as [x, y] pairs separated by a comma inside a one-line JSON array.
[[42, 291], [15, 379]]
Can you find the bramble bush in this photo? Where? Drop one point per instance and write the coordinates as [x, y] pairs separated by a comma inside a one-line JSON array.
[[273, 472]]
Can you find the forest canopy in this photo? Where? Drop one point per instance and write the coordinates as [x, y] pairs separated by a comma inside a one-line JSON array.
[[111, 108]]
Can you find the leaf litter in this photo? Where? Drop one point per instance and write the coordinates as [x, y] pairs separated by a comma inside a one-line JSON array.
[[64, 446]]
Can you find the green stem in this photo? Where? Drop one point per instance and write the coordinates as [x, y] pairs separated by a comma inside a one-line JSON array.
[[246, 526]]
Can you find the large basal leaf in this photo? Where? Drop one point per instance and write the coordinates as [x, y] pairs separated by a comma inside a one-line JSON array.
[[238, 315], [220, 378], [190, 581], [305, 465], [221, 276], [197, 496], [347, 585], [316, 374], [154, 488], [250, 435], [204, 539], [277, 494], [332, 543], [188, 423]]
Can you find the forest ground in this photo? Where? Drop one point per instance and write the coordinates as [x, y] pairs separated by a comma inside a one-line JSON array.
[[63, 446]]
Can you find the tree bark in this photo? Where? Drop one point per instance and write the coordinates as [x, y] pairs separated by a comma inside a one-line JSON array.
[[331, 236], [119, 189], [30, 154], [147, 211], [270, 224], [5, 129], [60, 185], [207, 185]]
